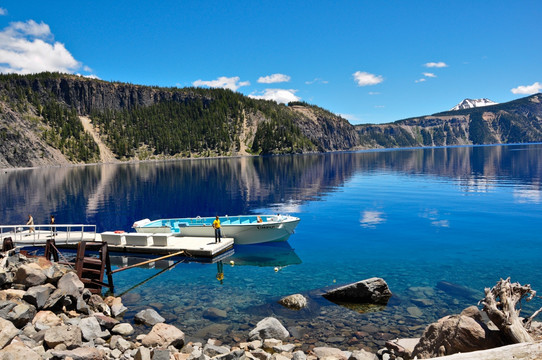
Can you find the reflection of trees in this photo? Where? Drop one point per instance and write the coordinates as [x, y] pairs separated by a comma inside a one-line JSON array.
[[113, 196]]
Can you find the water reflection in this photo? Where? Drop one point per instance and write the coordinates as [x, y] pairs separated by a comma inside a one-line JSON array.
[[114, 196], [273, 254]]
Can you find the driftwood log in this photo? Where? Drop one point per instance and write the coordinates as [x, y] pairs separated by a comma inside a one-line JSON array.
[[501, 305]]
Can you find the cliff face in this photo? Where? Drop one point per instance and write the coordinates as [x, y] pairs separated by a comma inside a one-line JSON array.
[[518, 121], [55, 119]]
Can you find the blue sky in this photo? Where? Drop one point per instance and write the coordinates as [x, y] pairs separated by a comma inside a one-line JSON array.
[[369, 61]]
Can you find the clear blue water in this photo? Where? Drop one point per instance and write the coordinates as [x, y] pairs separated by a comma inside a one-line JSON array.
[[415, 217]]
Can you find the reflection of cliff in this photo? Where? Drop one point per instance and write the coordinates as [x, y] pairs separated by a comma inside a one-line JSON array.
[[114, 196]]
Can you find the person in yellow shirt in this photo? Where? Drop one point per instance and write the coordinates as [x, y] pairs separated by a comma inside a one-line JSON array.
[[216, 226]]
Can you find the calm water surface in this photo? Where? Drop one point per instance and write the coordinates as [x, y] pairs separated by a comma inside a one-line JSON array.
[[464, 215]]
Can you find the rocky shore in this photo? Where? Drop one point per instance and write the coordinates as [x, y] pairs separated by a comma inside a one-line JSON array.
[[46, 313]]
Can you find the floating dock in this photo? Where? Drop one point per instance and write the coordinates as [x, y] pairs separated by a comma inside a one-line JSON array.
[[68, 236]]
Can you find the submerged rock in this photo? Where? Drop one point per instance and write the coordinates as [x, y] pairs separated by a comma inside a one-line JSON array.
[[373, 290], [149, 317], [295, 302]]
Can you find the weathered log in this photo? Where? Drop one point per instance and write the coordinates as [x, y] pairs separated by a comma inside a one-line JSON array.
[[501, 303]]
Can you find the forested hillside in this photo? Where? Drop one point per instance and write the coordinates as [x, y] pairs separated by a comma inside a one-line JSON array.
[[55, 119]]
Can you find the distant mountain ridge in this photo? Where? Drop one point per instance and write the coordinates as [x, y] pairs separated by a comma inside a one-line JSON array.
[[470, 103], [57, 119]]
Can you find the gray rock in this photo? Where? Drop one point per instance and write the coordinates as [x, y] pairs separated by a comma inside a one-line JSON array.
[[118, 342], [373, 290], [160, 354], [45, 319], [82, 306], [30, 275], [214, 314], [214, 350], [453, 334], [123, 329], [268, 328], [118, 309], [38, 295], [97, 304], [7, 332], [5, 308], [233, 355], [362, 355], [164, 335], [414, 311], [105, 321], [55, 300], [284, 348], [5, 277], [90, 328], [299, 355], [18, 351], [21, 314], [80, 353], [68, 335], [295, 302], [148, 317], [143, 353], [260, 354], [330, 353], [71, 285]]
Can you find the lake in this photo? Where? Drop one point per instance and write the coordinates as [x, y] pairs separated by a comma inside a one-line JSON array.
[[467, 216]]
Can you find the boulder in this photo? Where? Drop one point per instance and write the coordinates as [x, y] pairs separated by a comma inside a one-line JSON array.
[[330, 353], [161, 354], [268, 328], [68, 335], [21, 314], [118, 342], [38, 295], [7, 332], [214, 314], [402, 347], [70, 284], [454, 334], [97, 304], [143, 353], [362, 355], [215, 350], [81, 353], [164, 335], [373, 290], [18, 351], [91, 329], [148, 317], [105, 321], [123, 329], [45, 319], [12, 294], [295, 302], [30, 275]]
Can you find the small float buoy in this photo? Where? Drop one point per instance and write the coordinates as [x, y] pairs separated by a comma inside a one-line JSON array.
[[276, 269], [232, 262]]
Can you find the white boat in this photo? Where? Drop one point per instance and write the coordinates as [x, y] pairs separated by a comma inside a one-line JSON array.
[[244, 229]]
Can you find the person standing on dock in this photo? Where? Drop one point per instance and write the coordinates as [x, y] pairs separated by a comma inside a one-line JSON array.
[[31, 223], [216, 226], [53, 228]]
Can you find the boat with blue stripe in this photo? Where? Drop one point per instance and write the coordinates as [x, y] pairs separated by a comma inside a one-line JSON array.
[[244, 229]]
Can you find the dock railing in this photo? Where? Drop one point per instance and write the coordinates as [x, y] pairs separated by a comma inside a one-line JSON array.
[[36, 235]]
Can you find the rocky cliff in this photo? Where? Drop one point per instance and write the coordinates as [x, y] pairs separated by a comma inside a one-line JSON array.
[[55, 119]]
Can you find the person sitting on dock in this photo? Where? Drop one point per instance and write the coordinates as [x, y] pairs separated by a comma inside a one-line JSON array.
[[216, 226], [31, 223]]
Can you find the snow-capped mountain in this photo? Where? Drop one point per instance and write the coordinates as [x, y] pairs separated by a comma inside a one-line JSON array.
[[470, 103]]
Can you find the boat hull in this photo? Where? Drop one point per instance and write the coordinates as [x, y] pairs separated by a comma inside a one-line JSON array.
[[271, 229]]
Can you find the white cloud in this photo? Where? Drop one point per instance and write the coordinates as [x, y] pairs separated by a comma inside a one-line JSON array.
[[349, 117], [278, 95], [274, 78], [28, 47], [428, 74], [316, 80], [3, 11], [365, 79], [224, 82], [527, 89], [374, 93], [420, 80], [369, 219], [439, 64]]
